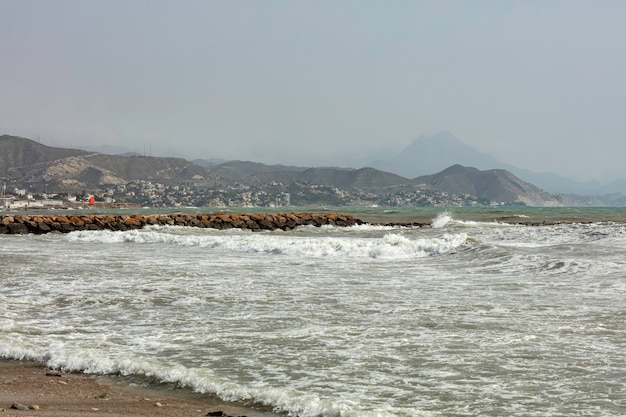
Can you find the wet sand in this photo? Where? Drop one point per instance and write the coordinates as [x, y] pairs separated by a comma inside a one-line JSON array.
[[52, 393]]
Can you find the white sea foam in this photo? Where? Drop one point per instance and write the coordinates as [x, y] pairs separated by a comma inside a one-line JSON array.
[[441, 220], [390, 245], [201, 380], [445, 219], [334, 322]]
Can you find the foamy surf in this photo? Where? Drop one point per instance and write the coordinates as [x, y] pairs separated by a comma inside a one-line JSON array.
[[319, 322], [201, 380], [388, 246], [441, 220]]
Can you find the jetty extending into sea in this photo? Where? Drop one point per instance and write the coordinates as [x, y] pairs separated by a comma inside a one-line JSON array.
[[39, 224], [47, 223]]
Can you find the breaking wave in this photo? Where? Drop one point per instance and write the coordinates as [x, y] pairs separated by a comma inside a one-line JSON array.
[[388, 245]]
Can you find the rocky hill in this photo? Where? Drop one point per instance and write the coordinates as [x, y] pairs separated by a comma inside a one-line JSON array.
[[19, 152], [25, 161], [347, 179], [493, 185], [243, 170]]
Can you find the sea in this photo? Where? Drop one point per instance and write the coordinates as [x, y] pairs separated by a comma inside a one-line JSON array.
[[475, 315]]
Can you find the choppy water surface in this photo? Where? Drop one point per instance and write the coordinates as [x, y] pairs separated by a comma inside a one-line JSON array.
[[468, 318]]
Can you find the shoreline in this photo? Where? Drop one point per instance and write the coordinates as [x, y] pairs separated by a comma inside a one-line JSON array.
[[28, 388]]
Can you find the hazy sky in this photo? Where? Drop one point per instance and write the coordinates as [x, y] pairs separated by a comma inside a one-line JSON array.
[[537, 84]]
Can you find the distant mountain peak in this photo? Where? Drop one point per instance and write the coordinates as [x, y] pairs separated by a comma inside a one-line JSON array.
[[434, 153], [458, 168], [441, 136]]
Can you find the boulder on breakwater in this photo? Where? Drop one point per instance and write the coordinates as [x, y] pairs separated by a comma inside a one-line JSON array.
[[39, 224]]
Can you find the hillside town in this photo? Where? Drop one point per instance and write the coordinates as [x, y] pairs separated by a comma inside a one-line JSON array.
[[273, 194], [38, 176]]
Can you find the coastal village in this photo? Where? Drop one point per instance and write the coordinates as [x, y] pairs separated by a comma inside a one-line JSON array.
[[70, 178], [273, 194]]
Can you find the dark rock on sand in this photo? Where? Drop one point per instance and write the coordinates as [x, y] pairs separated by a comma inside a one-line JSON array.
[[18, 406], [219, 414]]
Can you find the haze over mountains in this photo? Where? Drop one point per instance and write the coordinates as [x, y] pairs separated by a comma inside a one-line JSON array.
[[430, 154], [424, 164]]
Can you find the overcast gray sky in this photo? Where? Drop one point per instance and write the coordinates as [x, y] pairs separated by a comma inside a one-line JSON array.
[[537, 84]]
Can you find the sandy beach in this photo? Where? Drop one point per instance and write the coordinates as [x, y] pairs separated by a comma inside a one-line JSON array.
[[28, 389]]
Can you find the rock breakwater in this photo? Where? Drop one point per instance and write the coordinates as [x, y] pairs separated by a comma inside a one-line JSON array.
[[44, 223], [39, 224]]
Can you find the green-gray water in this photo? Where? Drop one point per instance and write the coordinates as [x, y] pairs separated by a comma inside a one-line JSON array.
[[470, 317]]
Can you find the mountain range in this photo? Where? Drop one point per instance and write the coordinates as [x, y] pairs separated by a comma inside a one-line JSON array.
[[434, 153], [42, 167], [428, 154]]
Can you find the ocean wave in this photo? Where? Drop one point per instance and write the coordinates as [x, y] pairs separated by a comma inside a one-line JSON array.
[[201, 380], [389, 245], [445, 219], [441, 220]]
